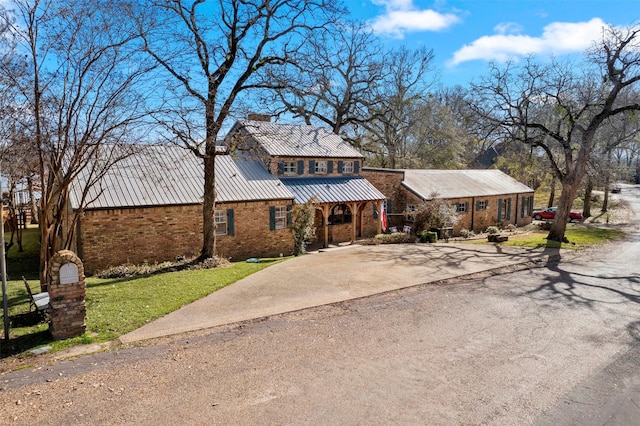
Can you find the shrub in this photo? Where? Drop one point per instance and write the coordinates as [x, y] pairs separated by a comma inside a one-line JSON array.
[[129, 270], [492, 230], [395, 238], [428, 236], [465, 233]]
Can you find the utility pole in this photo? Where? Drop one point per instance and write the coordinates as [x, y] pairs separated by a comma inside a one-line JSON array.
[[3, 268]]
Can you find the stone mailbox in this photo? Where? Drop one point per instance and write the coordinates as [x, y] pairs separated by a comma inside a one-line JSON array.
[[67, 291]]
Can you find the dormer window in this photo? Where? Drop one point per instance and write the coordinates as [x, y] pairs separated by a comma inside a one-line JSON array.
[[289, 168], [347, 167], [321, 167]]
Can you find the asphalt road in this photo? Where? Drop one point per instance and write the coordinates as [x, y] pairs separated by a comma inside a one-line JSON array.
[[552, 345]]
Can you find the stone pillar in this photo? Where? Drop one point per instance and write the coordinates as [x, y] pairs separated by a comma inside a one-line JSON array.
[[66, 295]]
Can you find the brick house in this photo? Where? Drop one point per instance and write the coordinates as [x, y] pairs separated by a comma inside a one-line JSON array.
[[148, 208], [482, 197], [313, 162]]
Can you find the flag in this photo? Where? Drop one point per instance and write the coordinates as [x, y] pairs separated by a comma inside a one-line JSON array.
[[383, 215]]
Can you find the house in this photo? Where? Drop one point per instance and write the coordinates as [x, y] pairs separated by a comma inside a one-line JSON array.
[[148, 207], [482, 197], [315, 163]]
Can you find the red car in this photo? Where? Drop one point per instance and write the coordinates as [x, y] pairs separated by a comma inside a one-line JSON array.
[[550, 213]]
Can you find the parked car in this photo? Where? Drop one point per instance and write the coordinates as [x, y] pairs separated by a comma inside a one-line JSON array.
[[550, 213], [616, 190]]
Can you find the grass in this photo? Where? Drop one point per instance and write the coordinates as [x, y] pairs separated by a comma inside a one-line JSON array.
[[579, 237], [114, 306]]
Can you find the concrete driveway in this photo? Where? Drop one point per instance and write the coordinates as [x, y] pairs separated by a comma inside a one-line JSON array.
[[333, 276]]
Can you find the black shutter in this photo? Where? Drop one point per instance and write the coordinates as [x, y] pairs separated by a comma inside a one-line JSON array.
[[280, 167], [356, 167], [312, 166], [289, 215], [340, 166], [230, 222], [300, 167], [508, 208], [272, 218], [329, 166]]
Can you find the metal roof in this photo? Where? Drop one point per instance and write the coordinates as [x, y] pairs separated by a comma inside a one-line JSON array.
[[292, 140], [169, 175], [332, 189], [461, 183]]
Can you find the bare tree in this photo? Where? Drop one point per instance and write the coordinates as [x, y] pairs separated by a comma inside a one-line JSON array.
[[216, 50], [330, 80], [559, 108], [403, 90], [80, 92]]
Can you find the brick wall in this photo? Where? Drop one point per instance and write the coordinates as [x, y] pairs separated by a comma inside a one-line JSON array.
[[389, 182], [155, 234]]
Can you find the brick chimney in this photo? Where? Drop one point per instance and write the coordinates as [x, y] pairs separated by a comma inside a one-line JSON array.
[[259, 117]]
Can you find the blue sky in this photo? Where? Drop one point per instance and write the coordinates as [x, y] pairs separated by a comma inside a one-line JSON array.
[[466, 34]]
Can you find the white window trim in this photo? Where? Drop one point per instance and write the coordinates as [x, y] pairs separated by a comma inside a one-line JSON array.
[[221, 222], [321, 167], [411, 212], [281, 217], [347, 167], [289, 168]]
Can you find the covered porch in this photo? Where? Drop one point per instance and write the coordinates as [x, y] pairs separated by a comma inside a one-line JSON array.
[[347, 208]]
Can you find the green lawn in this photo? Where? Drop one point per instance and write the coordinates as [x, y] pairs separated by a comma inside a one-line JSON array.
[[579, 237], [114, 306]]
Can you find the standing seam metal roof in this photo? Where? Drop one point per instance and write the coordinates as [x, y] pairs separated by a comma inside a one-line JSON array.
[[332, 189], [168, 175], [461, 183], [292, 140]]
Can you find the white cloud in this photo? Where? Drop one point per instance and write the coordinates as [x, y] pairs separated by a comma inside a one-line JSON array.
[[557, 38], [403, 16]]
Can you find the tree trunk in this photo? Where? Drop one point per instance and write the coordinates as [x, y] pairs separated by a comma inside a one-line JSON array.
[[605, 200], [208, 208], [586, 210], [552, 193], [32, 203]]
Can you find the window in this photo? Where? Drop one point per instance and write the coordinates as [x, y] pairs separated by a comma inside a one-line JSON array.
[[461, 207], [482, 205], [411, 212], [321, 167], [289, 168], [280, 217], [347, 167], [340, 214], [221, 222]]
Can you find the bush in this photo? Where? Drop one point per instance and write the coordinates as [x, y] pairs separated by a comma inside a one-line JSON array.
[[395, 238], [428, 236], [128, 270], [465, 233], [492, 230]]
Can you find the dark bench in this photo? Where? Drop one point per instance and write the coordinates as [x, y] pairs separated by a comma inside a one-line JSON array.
[[497, 238]]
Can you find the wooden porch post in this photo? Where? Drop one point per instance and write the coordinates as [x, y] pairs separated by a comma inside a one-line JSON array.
[[354, 219], [379, 231], [325, 217]]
